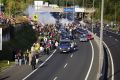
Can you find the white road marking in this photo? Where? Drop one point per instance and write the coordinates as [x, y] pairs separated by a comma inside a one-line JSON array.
[[88, 73], [110, 36], [55, 78], [116, 40], [110, 59], [65, 65], [71, 55], [39, 65]]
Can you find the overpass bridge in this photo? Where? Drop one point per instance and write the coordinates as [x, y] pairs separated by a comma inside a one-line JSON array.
[[61, 9]]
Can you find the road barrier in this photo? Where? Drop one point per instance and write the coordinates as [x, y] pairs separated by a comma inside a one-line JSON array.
[[105, 61], [101, 57]]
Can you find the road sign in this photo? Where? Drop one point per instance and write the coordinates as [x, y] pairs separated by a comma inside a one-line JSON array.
[[69, 9], [35, 17]]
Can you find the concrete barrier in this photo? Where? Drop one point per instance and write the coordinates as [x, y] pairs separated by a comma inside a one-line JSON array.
[[101, 56], [102, 74]]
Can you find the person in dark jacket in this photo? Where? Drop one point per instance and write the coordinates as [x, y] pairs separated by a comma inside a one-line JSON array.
[[33, 62]]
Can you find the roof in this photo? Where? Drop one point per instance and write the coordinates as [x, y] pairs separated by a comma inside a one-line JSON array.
[[67, 40]]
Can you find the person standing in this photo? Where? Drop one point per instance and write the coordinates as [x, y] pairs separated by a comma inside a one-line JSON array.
[[56, 44], [31, 53], [37, 57], [41, 49], [25, 58], [33, 63], [47, 50], [20, 58], [16, 59]]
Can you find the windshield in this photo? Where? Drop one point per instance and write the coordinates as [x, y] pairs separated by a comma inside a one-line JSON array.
[[65, 43]]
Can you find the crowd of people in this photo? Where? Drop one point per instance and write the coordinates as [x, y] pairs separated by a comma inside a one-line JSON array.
[[4, 21], [48, 40]]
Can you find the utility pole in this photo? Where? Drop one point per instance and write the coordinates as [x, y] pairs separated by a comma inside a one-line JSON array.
[[73, 10], [83, 11], [66, 7], [101, 41], [93, 16], [0, 5], [59, 3], [115, 15]]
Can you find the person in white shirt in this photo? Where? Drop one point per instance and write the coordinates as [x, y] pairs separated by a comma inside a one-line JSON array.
[[56, 44], [41, 49]]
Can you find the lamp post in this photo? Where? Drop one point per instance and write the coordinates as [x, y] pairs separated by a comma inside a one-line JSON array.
[[93, 16], [0, 5], [73, 10], [101, 40], [83, 11], [66, 7], [115, 15]]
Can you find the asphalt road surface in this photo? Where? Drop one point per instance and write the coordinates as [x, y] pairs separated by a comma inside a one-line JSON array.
[[82, 64]]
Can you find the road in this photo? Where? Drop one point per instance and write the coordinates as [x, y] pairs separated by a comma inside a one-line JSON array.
[[82, 64], [113, 42]]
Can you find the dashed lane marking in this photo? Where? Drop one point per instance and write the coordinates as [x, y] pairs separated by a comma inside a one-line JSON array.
[[65, 65], [110, 36], [71, 55], [55, 78], [116, 40]]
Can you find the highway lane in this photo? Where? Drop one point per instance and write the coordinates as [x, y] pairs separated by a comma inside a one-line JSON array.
[[72, 66]]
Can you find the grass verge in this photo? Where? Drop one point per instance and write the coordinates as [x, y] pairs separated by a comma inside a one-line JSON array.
[[4, 65]]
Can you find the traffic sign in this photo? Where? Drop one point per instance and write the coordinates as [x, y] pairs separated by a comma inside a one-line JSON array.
[[69, 9], [35, 17]]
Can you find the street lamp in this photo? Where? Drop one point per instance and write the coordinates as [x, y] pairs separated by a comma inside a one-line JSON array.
[[73, 10], [66, 7], [83, 11], [92, 15], [101, 40], [115, 15], [0, 5]]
